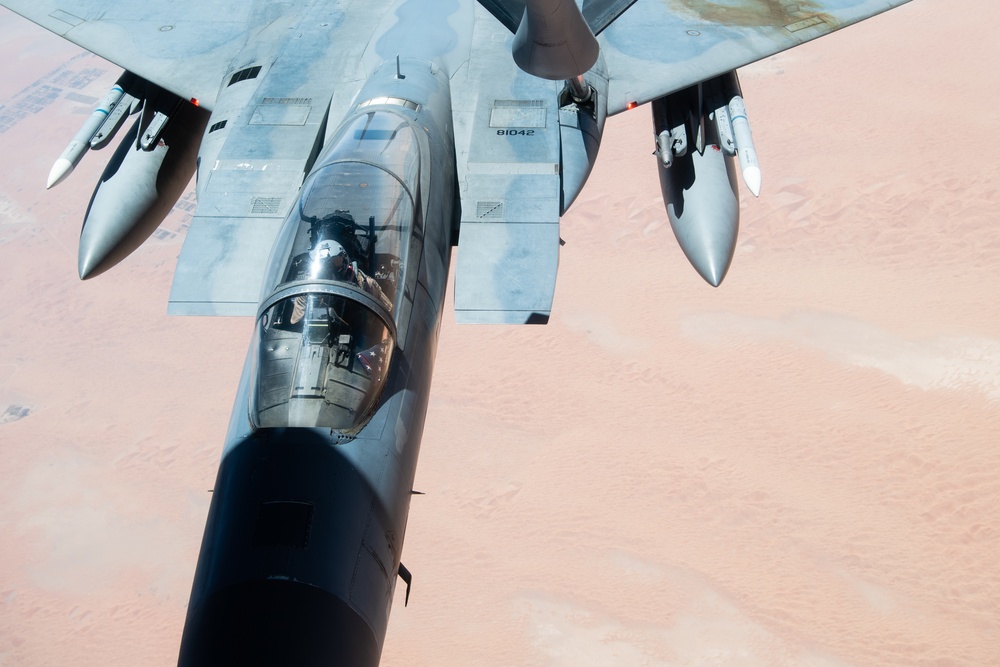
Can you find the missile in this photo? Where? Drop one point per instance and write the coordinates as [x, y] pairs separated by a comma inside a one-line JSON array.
[[157, 123], [731, 121], [664, 148], [126, 106], [81, 142], [139, 187], [745, 151]]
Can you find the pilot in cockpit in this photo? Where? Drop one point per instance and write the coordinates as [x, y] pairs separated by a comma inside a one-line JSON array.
[[328, 260]]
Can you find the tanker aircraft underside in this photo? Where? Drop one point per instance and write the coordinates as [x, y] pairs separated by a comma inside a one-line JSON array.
[[341, 149]]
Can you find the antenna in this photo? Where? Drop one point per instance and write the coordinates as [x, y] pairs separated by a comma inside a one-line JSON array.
[[399, 73]]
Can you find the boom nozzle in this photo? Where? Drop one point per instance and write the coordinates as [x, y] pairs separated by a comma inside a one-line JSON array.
[[554, 41]]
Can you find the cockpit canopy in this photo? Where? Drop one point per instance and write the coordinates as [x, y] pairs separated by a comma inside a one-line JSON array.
[[325, 339], [355, 216], [322, 360]]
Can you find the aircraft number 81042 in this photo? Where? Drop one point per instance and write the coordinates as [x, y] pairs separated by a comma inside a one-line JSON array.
[[512, 133]]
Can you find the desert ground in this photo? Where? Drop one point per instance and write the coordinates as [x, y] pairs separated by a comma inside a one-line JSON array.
[[800, 467]]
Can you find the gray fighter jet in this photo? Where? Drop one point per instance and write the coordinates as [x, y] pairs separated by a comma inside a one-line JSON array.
[[342, 148]]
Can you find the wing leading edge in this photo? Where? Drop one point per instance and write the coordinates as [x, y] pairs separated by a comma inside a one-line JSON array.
[[183, 46]]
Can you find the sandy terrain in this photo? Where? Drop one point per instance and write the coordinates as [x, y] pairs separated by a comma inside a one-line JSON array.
[[798, 468]]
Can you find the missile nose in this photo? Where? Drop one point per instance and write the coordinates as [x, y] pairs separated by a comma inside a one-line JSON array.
[[752, 178], [60, 170]]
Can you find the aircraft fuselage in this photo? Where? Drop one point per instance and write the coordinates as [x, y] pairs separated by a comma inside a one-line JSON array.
[[302, 547]]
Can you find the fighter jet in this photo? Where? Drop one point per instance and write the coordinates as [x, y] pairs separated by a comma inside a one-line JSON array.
[[341, 150]]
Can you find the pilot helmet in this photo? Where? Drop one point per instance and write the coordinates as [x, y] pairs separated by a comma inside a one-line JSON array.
[[329, 260]]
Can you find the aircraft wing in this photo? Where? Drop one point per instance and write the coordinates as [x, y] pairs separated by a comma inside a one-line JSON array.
[[259, 150], [523, 154], [184, 46], [651, 47]]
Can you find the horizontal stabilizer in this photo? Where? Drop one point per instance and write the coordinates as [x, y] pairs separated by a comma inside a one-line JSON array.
[[508, 252], [221, 267]]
